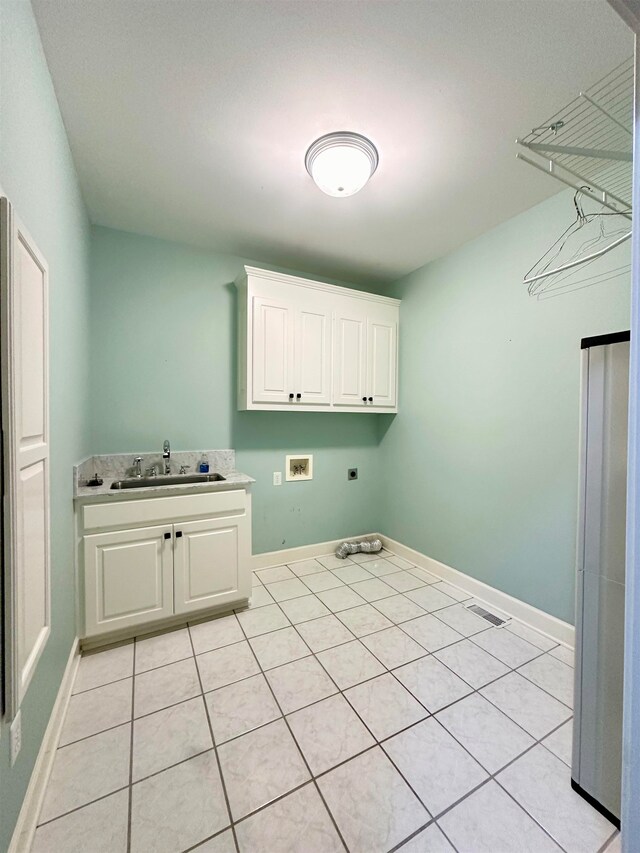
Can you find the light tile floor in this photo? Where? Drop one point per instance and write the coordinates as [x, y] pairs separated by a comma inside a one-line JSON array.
[[356, 704]]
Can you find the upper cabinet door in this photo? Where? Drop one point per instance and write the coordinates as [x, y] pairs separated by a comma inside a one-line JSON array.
[[312, 352], [273, 333], [382, 342], [350, 354]]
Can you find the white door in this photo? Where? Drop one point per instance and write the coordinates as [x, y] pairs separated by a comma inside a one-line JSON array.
[[206, 563], [350, 353], [382, 331], [273, 333], [128, 578], [312, 351], [25, 423]]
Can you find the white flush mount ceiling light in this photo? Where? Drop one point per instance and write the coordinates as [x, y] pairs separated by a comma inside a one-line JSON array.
[[341, 163]]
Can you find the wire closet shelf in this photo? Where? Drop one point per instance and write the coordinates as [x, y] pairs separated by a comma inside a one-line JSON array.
[[587, 145]]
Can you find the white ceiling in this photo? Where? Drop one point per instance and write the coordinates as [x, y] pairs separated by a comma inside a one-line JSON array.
[[189, 119]]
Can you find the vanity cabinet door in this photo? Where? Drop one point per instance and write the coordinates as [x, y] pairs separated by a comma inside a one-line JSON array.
[[128, 578], [207, 561]]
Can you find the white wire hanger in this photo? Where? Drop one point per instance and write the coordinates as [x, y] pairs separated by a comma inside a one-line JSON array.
[[589, 237]]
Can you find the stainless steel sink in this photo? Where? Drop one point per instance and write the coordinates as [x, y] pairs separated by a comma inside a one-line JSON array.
[[166, 480]]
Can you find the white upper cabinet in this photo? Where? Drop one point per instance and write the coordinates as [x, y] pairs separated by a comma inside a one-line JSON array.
[[313, 346]]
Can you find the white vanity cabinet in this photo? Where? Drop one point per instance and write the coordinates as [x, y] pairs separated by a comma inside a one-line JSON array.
[[311, 346], [151, 559]]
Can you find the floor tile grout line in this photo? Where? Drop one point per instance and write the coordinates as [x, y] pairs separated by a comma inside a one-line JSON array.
[[603, 848], [544, 690], [533, 818], [130, 787], [506, 714], [539, 652], [161, 665], [207, 839], [400, 845], [95, 734], [83, 806], [171, 766], [548, 748], [215, 748], [137, 674], [306, 763], [98, 686]]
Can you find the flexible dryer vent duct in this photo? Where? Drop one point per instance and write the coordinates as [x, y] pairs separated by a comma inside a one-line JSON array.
[[368, 546]]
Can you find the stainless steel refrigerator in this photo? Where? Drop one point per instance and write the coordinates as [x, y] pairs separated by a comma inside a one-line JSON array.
[[597, 731]]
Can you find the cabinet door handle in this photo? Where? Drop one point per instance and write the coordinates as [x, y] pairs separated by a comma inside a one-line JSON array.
[[371, 399], [167, 536], [178, 534], [298, 396], [364, 399], [291, 396]]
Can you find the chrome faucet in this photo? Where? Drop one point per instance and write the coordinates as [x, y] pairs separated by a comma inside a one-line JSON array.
[[137, 463], [166, 455]]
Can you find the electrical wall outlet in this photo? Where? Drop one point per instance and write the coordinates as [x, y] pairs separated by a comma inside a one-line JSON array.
[[277, 478], [352, 474], [16, 737]]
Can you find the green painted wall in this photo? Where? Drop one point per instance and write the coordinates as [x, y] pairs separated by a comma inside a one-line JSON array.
[[486, 438], [163, 343], [37, 174]]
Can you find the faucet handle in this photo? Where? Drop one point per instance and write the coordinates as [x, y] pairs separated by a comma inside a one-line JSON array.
[[137, 459], [184, 468]]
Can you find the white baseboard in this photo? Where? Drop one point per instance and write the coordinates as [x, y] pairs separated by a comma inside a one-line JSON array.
[[546, 624], [304, 552], [25, 828]]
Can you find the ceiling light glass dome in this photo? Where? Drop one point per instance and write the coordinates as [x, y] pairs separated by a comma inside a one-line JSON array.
[[341, 163]]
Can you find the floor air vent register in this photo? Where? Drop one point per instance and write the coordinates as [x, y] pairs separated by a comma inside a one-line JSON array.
[[490, 617]]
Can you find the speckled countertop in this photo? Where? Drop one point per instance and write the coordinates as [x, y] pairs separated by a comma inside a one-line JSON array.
[[112, 467]]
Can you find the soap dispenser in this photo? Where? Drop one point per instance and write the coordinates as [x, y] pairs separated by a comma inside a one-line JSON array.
[[204, 464]]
